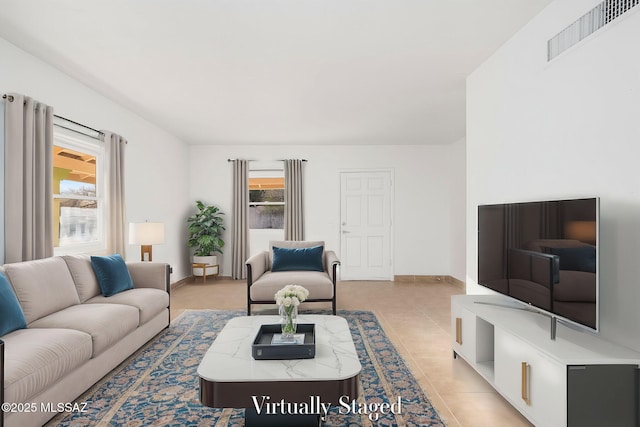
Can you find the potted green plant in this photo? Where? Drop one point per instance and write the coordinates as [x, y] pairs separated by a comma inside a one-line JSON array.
[[205, 231]]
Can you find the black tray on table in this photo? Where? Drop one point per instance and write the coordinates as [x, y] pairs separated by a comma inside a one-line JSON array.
[[263, 349]]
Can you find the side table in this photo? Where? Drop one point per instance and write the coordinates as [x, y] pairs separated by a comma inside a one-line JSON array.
[[204, 267]]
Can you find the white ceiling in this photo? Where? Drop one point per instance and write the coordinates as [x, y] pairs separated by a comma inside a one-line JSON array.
[[275, 71]]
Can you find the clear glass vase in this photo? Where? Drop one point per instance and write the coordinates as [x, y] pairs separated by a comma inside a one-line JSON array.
[[288, 320]]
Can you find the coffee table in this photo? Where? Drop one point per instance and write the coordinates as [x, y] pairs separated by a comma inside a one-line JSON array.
[[231, 378]]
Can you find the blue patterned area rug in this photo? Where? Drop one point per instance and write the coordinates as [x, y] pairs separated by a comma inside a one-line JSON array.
[[158, 385]]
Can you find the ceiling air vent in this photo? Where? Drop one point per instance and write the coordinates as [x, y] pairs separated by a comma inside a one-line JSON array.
[[591, 21]]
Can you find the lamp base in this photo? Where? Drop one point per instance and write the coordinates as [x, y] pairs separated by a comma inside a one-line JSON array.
[[145, 253]]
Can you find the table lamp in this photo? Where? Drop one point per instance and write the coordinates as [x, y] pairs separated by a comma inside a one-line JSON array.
[[146, 234], [584, 231]]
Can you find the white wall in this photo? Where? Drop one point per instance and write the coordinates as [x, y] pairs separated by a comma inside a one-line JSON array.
[[156, 162], [563, 129], [165, 176], [422, 186]]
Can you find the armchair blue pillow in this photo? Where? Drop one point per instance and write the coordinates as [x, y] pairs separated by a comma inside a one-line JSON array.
[[582, 258], [297, 259], [112, 274], [11, 315]]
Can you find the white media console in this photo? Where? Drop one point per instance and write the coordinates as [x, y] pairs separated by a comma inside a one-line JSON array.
[[577, 379]]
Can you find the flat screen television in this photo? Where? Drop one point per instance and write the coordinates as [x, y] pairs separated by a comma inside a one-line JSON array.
[[544, 254]]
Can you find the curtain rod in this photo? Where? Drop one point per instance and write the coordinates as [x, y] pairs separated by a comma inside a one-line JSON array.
[[252, 160], [79, 131], [10, 98], [77, 124]]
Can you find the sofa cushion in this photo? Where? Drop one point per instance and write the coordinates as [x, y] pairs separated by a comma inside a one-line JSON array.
[[83, 276], [575, 286], [148, 301], [317, 283], [112, 274], [11, 315], [37, 358], [297, 259], [42, 286], [106, 323]]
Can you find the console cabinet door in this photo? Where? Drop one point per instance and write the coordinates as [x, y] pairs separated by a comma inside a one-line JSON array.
[[463, 332], [531, 381]]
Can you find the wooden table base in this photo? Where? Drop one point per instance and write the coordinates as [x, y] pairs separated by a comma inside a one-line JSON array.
[[204, 270]]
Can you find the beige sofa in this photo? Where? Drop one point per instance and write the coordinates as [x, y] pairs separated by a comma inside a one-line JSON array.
[[74, 335], [263, 283]]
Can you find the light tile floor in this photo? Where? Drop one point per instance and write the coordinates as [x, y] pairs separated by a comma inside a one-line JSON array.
[[416, 317]]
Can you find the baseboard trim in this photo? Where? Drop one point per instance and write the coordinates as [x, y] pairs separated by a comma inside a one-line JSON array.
[[407, 278], [181, 282], [456, 282], [192, 279], [429, 279]]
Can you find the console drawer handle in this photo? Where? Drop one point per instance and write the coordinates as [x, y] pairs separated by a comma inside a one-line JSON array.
[[459, 330], [525, 383]]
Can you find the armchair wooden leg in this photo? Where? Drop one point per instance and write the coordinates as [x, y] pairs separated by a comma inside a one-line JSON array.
[[249, 283]]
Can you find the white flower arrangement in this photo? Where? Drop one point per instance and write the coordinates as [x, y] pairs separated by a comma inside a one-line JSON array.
[[291, 295], [288, 299]]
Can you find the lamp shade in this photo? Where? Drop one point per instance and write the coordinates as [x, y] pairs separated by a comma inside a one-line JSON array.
[[146, 233], [581, 230]]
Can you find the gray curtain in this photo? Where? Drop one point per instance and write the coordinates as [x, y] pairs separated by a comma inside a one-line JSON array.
[[240, 221], [28, 178], [116, 215], [293, 201], [511, 233]]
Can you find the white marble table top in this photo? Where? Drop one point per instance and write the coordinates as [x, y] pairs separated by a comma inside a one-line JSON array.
[[229, 357]]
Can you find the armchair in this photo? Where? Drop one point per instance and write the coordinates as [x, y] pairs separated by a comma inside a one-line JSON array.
[[263, 283]]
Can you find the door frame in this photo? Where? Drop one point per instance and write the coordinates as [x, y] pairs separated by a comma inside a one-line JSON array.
[[391, 173]]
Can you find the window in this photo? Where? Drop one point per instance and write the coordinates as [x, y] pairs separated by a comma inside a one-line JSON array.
[[266, 200], [78, 193]]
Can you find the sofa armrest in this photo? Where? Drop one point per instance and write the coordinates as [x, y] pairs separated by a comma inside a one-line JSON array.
[[332, 262], [149, 274], [256, 267]]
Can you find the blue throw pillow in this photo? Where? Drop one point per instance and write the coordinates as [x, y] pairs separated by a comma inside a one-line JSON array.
[[11, 315], [582, 258], [296, 259], [112, 274]]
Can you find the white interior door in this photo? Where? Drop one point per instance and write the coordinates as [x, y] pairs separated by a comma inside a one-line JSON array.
[[365, 218]]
